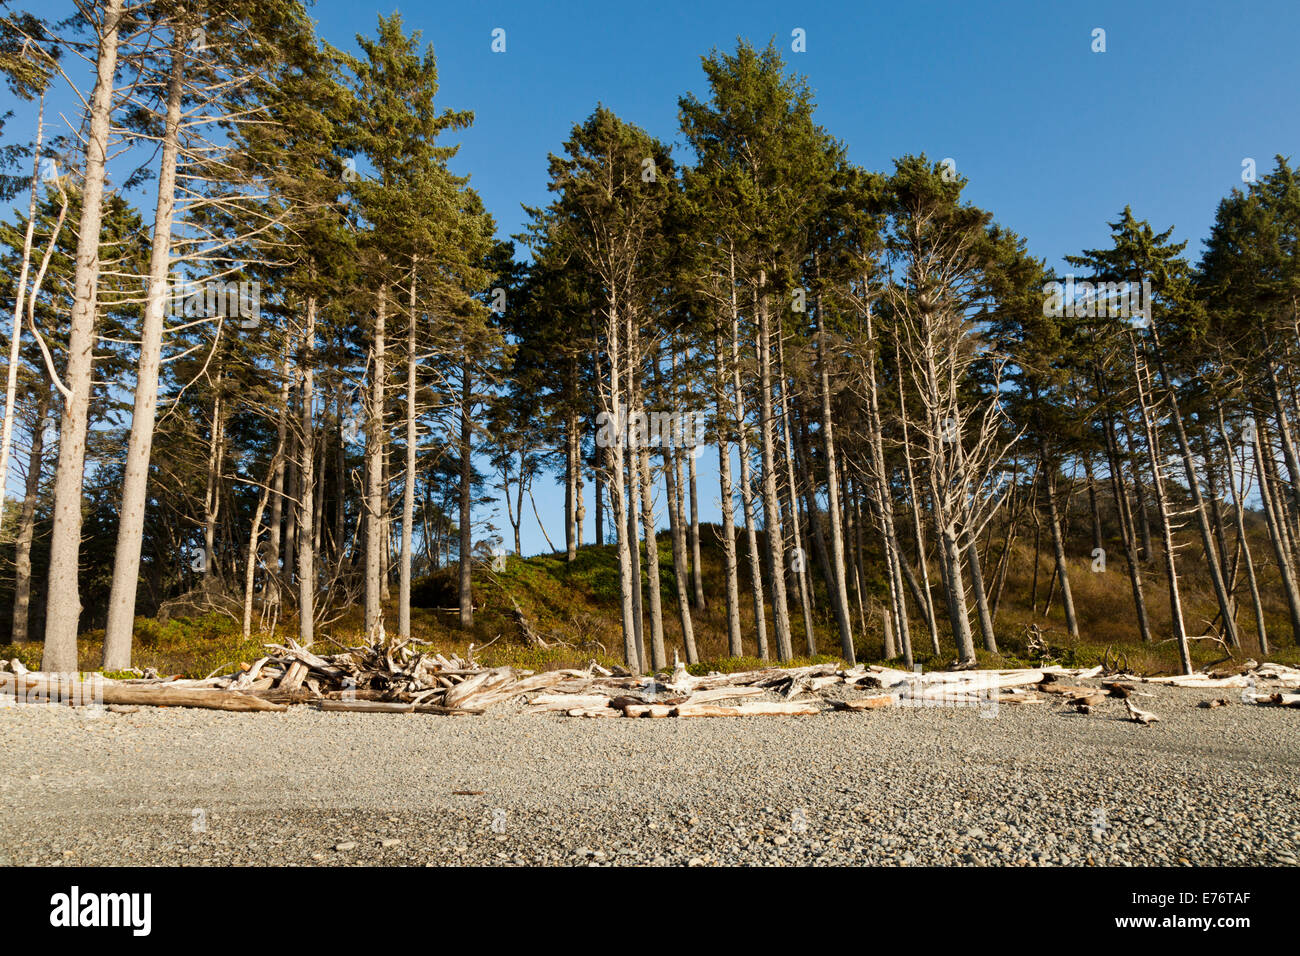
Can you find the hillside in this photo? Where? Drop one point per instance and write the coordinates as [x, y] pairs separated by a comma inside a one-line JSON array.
[[573, 608]]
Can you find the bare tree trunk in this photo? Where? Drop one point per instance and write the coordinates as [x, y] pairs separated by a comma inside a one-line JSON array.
[[293, 481], [1162, 505], [306, 539], [672, 478], [385, 526], [1097, 537], [27, 525], [747, 488], [1058, 548], [839, 593], [1239, 517], [854, 515], [1127, 532], [801, 568], [275, 548], [634, 539], [611, 448], [212, 493], [20, 293], [1198, 502], [926, 602], [250, 565], [376, 497], [957, 611], [1284, 435], [466, 582], [130, 530], [1143, 515], [771, 503], [981, 599], [579, 502], [727, 504], [572, 469], [697, 571], [634, 364], [408, 485], [63, 611], [1277, 536], [658, 656], [598, 483]]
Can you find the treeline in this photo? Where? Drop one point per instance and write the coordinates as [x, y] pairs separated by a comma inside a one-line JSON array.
[[319, 337]]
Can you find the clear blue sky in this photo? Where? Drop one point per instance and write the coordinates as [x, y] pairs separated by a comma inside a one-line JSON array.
[[1054, 138]]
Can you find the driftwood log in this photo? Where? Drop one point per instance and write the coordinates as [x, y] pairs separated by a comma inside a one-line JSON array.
[[94, 692], [409, 677]]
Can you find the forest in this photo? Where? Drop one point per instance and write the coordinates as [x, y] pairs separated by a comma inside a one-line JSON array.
[[268, 358]]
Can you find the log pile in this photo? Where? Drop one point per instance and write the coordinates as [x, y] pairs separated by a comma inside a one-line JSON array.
[[801, 690], [393, 676]]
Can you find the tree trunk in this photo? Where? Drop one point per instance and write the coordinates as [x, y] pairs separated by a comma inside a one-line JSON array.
[[957, 611], [466, 449], [672, 477], [1198, 503], [20, 293], [771, 503], [572, 469], [925, 600], [792, 503], [1098, 540], [1277, 536], [981, 599], [376, 497], [1163, 509], [1284, 436], [697, 571], [306, 538], [839, 593], [598, 483], [1240, 519], [658, 656], [727, 503], [27, 525], [63, 610], [408, 485], [212, 495], [747, 488], [1058, 548], [1127, 531], [250, 565]]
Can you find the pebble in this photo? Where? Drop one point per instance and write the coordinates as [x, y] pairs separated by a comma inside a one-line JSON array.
[[904, 787]]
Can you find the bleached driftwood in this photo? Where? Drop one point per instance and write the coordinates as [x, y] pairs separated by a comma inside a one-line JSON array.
[[753, 709], [103, 691]]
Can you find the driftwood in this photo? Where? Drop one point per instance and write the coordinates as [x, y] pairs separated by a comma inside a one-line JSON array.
[[866, 703], [1143, 717], [409, 677], [525, 629], [95, 691], [752, 709]]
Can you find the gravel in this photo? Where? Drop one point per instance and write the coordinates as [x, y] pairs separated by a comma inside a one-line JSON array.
[[1030, 785]]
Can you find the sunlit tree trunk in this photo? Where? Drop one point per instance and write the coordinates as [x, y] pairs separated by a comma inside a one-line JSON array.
[[308, 519], [63, 609], [408, 486], [376, 497], [20, 293], [27, 524]]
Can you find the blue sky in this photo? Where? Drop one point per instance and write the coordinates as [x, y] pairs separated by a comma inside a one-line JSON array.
[[1054, 138]]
